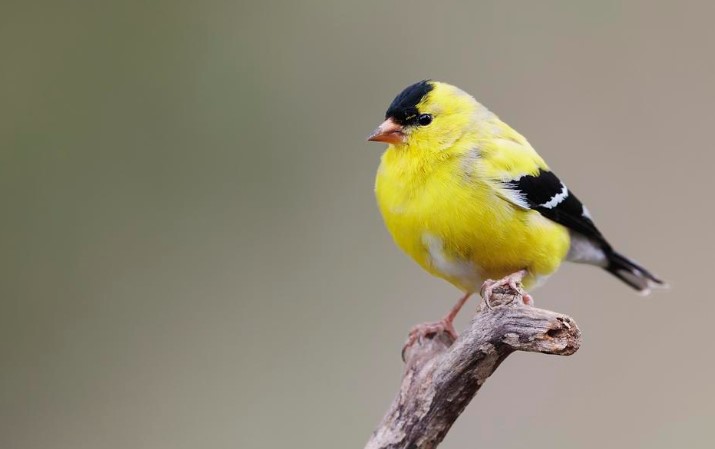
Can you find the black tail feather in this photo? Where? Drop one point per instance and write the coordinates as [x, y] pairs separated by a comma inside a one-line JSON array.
[[631, 273]]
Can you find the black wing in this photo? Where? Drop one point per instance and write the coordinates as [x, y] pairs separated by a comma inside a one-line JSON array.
[[545, 193]]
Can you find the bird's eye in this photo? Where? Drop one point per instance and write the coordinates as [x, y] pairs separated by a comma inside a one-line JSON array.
[[424, 119]]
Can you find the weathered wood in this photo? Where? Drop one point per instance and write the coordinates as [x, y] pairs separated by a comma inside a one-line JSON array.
[[442, 376]]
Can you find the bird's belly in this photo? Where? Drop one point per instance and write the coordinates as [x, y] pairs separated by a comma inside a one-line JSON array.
[[468, 239]]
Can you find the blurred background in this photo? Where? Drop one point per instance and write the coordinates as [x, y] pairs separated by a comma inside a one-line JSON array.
[[191, 255]]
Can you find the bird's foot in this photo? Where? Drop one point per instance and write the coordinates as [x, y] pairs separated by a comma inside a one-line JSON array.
[[513, 281], [429, 330], [527, 298]]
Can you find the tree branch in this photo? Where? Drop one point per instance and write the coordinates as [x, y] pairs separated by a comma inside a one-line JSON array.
[[442, 375]]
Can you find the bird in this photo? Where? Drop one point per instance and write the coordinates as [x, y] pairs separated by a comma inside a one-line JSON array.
[[470, 200]]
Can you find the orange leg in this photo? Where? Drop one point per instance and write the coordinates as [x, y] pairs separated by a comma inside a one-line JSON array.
[[446, 324]]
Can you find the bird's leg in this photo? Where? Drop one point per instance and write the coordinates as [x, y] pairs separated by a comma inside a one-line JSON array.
[[512, 281], [446, 324]]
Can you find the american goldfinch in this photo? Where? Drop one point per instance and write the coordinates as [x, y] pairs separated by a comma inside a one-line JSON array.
[[470, 200]]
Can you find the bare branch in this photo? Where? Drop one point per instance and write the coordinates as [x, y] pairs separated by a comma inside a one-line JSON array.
[[442, 376]]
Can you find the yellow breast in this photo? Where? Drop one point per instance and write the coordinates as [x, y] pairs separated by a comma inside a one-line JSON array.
[[457, 228]]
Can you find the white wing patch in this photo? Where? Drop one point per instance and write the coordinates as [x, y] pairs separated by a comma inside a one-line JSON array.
[[514, 196], [556, 199], [586, 213]]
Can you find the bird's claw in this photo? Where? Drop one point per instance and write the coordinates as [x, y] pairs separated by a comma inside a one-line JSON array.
[[424, 330], [513, 281]]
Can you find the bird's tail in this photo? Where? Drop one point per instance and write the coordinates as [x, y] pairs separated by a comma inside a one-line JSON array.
[[631, 273]]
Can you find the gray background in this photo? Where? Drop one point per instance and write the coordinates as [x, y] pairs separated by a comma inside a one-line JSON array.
[[191, 255]]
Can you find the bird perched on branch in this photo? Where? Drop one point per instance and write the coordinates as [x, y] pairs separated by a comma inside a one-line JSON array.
[[470, 200]]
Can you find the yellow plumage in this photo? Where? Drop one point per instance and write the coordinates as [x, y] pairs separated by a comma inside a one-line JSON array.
[[438, 197], [469, 199]]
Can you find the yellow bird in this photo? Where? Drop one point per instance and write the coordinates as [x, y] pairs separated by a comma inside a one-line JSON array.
[[470, 200]]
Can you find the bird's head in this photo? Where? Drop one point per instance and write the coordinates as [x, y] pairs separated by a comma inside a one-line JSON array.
[[428, 115]]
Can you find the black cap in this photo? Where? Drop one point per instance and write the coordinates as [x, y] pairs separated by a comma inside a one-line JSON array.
[[403, 108]]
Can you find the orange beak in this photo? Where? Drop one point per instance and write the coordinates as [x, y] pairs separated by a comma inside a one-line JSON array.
[[389, 132]]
